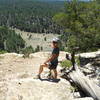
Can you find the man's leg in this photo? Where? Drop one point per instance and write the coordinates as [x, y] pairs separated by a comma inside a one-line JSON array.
[[41, 69], [55, 73]]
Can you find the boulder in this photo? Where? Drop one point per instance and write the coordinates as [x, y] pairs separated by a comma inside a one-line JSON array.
[[92, 57], [19, 83]]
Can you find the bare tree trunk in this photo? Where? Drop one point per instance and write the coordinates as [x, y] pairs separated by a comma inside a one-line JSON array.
[[80, 80], [73, 59], [85, 84]]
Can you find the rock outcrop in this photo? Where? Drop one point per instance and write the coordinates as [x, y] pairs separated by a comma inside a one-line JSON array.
[[17, 83], [90, 63], [93, 58], [17, 79]]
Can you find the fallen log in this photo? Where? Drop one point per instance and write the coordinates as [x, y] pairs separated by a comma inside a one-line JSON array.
[[85, 84], [81, 81]]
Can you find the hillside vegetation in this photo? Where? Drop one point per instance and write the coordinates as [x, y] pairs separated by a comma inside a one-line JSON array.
[[10, 41], [78, 23], [81, 21], [26, 15], [30, 15]]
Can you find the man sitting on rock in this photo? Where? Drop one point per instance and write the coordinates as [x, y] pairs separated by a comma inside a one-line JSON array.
[[52, 62]]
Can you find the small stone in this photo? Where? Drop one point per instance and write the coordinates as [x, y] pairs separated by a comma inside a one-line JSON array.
[[77, 95], [20, 83]]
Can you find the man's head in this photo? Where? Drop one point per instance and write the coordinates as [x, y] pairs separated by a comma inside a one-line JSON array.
[[55, 42]]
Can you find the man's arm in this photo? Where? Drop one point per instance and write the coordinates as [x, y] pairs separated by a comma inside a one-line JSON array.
[[51, 58]]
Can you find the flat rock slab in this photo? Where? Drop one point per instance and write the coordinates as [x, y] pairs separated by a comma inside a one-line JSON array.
[[35, 89], [17, 83]]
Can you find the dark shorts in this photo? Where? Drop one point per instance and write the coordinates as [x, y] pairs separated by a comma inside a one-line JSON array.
[[53, 66]]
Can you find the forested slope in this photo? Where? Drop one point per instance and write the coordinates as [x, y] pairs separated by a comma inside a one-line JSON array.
[[30, 15], [26, 15], [10, 41]]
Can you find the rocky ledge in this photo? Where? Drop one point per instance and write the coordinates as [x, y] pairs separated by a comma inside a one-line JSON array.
[[17, 79]]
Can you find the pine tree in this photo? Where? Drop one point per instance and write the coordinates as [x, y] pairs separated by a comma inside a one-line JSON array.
[[81, 23]]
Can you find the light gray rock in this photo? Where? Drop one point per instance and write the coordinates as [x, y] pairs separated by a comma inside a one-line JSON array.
[[76, 95], [86, 98], [90, 54], [34, 89], [93, 58], [20, 84]]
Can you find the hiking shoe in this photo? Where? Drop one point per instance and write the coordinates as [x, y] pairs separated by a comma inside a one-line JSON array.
[[38, 77]]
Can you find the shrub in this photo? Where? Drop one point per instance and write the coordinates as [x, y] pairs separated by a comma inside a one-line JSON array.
[[27, 51], [45, 39], [66, 64], [41, 48], [37, 49], [2, 51], [77, 60]]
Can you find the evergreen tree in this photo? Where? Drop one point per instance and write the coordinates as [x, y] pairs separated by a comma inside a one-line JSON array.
[[81, 23], [10, 41]]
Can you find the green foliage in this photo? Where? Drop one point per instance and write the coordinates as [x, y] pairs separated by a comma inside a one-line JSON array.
[[77, 60], [37, 48], [45, 39], [81, 22], [27, 51], [72, 42], [61, 45], [2, 51], [66, 64], [74, 89], [62, 17], [41, 48], [29, 15], [10, 41]]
